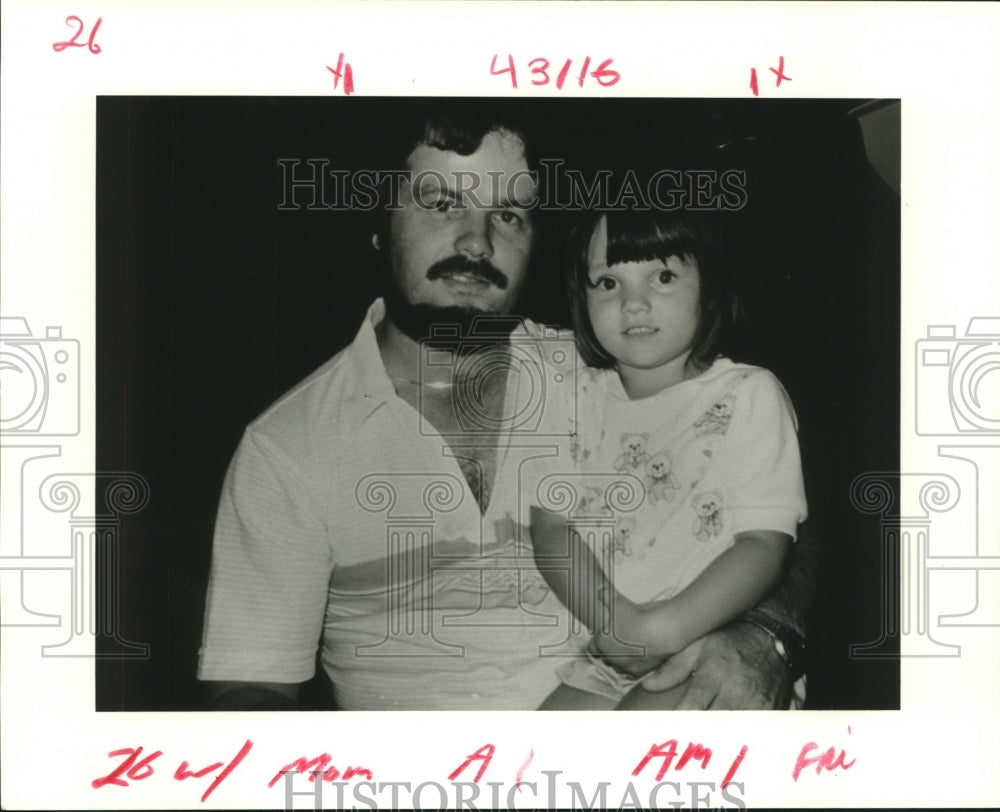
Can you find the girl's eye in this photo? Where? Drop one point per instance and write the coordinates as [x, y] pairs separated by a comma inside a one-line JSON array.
[[665, 277], [606, 283]]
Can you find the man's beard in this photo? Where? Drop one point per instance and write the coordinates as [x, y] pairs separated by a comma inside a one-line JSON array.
[[421, 321], [424, 321]]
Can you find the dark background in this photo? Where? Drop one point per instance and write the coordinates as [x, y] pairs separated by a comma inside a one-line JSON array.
[[212, 302]]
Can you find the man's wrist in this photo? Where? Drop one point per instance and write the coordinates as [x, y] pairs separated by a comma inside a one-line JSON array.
[[780, 607], [251, 698], [787, 643]]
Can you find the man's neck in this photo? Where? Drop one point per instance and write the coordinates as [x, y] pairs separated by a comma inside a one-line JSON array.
[[433, 391], [401, 357]]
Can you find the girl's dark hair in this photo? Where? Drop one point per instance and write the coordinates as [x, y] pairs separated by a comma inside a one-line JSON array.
[[637, 236]]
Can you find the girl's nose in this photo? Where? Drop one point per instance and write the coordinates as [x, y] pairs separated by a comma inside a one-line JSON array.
[[634, 302]]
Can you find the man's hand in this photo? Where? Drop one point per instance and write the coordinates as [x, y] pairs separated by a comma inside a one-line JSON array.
[[734, 668]]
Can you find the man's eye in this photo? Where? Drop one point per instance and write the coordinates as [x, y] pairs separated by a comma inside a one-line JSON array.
[[444, 205], [510, 218]]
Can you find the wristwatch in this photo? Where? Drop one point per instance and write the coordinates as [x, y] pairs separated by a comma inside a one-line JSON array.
[[788, 643]]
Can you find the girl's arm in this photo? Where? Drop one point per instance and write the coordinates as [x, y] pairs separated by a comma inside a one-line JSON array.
[[569, 567], [733, 583], [735, 665]]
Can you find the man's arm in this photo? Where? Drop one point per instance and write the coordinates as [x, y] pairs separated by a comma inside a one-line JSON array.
[[252, 696], [736, 667], [268, 584]]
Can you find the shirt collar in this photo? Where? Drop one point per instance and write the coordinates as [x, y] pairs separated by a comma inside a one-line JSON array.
[[370, 385], [719, 367]]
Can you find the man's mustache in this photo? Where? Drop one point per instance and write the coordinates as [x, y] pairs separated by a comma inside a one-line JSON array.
[[484, 269]]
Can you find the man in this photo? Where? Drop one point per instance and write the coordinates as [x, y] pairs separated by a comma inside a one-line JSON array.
[[380, 506]]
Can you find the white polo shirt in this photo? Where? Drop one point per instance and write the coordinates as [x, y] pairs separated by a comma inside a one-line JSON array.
[[345, 520]]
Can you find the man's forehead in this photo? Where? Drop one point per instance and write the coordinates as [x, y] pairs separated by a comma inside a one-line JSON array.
[[496, 174], [499, 151]]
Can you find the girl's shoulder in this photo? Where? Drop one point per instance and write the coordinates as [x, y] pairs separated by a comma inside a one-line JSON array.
[[595, 379], [725, 375], [725, 371], [757, 388]]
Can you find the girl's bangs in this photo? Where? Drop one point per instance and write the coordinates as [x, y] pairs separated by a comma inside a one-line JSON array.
[[642, 236]]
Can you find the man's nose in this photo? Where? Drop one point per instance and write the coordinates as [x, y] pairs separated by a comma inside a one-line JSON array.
[[473, 238]]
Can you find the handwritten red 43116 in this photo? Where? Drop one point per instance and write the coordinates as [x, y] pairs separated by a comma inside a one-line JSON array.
[[539, 70]]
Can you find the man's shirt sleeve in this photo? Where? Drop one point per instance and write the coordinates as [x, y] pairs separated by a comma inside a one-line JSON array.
[[271, 565]]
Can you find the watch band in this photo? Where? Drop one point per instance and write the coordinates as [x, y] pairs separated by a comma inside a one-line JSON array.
[[788, 643]]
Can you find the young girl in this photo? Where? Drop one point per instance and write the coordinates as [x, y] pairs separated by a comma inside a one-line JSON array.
[[709, 444]]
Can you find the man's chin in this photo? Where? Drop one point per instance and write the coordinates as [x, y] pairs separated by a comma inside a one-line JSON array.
[[421, 321]]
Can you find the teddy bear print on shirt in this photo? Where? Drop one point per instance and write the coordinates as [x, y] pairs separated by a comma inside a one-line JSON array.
[[623, 536], [708, 506], [660, 480], [576, 450], [592, 503], [716, 419], [633, 456]]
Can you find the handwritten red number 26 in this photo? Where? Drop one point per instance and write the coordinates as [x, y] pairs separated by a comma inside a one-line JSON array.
[[131, 767], [92, 46]]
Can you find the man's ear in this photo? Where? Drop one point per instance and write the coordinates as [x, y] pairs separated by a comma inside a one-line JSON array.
[[376, 243]]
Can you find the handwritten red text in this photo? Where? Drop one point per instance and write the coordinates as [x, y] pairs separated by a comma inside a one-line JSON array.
[[345, 72], [540, 70], [131, 767], [134, 769], [321, 766], [829, 760], [73, 42], [484, 755], [779, 72], [667, 752], [182, 772]]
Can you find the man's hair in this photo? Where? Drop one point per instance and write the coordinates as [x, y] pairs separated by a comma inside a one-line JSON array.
[[455, 125], [638, 236]]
